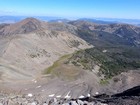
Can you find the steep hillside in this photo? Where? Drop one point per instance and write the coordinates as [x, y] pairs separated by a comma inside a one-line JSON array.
[[30, 46], [116, 51], [108, 35], [111, 61]]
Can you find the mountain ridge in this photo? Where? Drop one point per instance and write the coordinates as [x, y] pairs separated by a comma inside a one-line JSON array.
[[30, 47]]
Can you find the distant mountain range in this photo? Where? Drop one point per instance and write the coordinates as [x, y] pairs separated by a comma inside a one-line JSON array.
[[98, 21], [13, 19], [120, 20]]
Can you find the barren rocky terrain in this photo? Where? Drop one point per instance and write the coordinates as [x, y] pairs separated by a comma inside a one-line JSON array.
[[43, 61], [27, 49]]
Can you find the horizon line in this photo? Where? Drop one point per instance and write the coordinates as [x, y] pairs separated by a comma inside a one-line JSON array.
[[65, 17]]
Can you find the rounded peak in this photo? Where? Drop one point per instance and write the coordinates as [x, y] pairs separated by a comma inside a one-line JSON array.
[[25, 26], [30, 19]]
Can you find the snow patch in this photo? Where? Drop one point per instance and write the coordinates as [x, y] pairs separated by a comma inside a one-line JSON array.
[[81, 96], [30, 95], [51, 95], [59, 96], [96, 93], [104, 51], [68, 96], [88, 95]]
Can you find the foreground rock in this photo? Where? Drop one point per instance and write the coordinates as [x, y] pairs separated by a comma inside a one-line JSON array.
[[20, 100], [129, 97]]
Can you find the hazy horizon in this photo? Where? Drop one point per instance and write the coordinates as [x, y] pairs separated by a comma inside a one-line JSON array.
[[124, 9]]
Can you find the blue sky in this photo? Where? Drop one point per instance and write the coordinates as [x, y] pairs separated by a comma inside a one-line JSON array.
[[72, 8]]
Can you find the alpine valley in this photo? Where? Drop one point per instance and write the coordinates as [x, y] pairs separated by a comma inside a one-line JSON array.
[[68, 60]]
